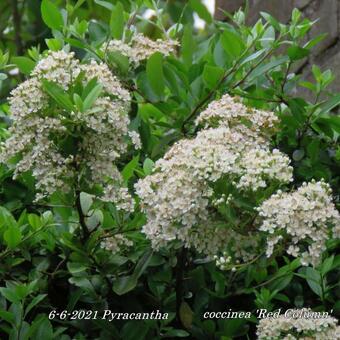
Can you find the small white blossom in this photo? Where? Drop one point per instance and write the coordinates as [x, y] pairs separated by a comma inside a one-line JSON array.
[[141, 48], [36, 131], [229, 111], [177, 198], [59, 67], [115, 243], [305, 216], [298, 324]]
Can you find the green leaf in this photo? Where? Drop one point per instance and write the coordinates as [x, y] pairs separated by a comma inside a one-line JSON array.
[[332, 122], [10, 294], [78, 101], [25, 65], [89, 87], [252, 57], [327, 265], [3, 76], [317, 73], [201, 10], [7, 316], [212, 75], [268, 37], [154, 72], [58, 94], [54, 44], [51, 15], [130, 168], [313, 149], [95, 219], [83, 283], [148, 166], [142, 264], [298, 155], [330, 104], [76, 43], [34, 302], [188, 45], [311, 43], [186, 315], [313, 279], [92, 97], [105, 4], [297, 52], [232, 43], [308, 85], [34, 221], [120, 61], [315, 287], [147, 111], [78, 4], [12, 236], [86, 201], [117, 21], [124, 284], [271, 20], [75, 268], [42, 330], [6, 218], [75, 296], [263, 68], [296, 14]]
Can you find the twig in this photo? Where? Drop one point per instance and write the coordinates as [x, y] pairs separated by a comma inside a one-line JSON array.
[[82, 223], [215, 88], [207, 97], [17, 27], [8, 251], [253, 68], [181, 260]]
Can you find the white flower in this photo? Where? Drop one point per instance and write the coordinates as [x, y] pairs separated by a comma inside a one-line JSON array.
[[177, 198], [141, 48], [304, 217], [297, 324], [115, 243], [59, 67], [229, 111], [36, 131]]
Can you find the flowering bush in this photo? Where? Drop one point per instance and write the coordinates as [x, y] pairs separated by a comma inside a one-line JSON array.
[[148, 165], [45, 119]]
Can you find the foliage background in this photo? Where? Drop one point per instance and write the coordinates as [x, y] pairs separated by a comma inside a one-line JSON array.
[[46, 266]]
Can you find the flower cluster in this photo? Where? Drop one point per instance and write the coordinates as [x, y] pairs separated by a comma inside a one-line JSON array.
[[298, 324], [59, 67], [115, 243], [141, 48], [178, 197], [229, 111], [40, 125], [303, 217]]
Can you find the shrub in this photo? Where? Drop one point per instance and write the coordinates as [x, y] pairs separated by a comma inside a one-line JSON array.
[[151, 167]]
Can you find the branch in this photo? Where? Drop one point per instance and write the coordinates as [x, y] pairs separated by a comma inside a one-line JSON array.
[[207, 97], [86, 232], [215, 88], [17, 27], [181, 261], [253, 68]]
